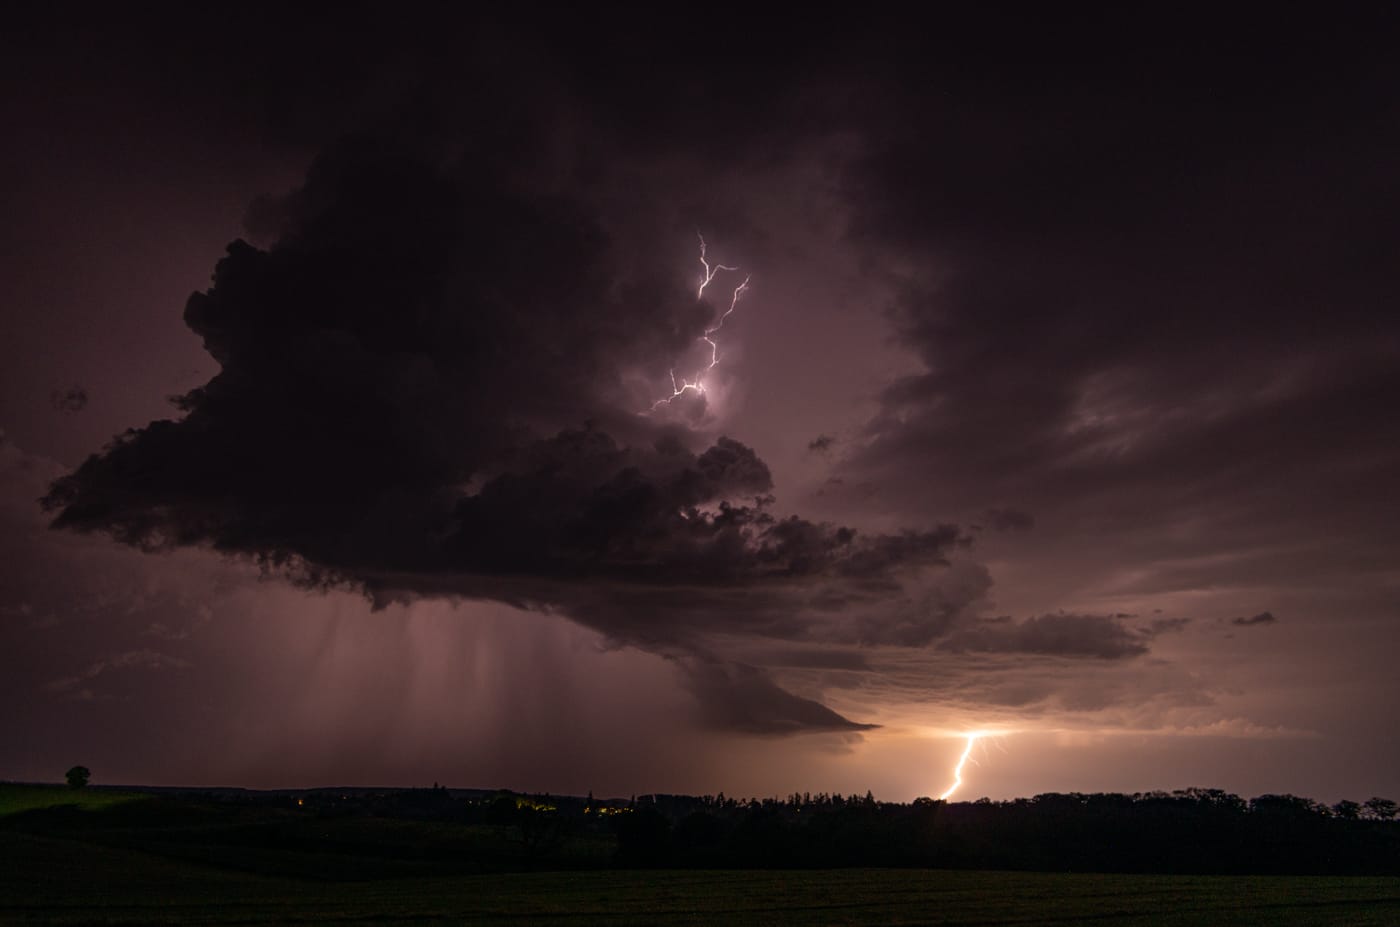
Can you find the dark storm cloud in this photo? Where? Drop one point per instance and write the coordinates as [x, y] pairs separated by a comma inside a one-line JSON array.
[[937, 607], [398, 339], [1142, 264], [429, 386], [821, 443], [1261, 618], [1063, 635], [431, 367], [1152, 308], [73, 399]]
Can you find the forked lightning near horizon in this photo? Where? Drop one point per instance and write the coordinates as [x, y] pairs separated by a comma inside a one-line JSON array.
[[962, 761]]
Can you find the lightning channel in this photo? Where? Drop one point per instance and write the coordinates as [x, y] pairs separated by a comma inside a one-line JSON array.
[[962, 761], [697, 383]]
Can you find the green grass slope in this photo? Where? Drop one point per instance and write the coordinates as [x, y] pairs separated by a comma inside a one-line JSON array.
[[15, 798]]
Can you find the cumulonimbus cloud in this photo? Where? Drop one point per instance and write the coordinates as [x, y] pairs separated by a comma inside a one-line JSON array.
[[426, 389]]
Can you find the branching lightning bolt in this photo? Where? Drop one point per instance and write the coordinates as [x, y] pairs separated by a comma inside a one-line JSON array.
[[962, 761], [697, 385]]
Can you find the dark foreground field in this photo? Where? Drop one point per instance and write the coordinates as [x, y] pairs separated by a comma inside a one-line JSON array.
[[131, 860], [46, 881]]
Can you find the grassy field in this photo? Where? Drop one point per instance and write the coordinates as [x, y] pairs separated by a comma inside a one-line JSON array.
[[107, 857], [17, 798], [52, 881]]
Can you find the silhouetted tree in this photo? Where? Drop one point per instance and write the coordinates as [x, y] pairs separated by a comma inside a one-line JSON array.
[[1286, 805], [78, 777], [1381, 809], [1347, 810]]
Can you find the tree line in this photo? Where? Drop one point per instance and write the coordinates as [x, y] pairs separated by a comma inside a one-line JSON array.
[[1186, 831], [1192, 830], [1195, 830]]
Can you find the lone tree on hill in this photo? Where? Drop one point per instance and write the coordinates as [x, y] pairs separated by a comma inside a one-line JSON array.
[[78, 777]]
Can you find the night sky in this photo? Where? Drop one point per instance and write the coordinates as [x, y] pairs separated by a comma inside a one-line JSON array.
[[338, 442]]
